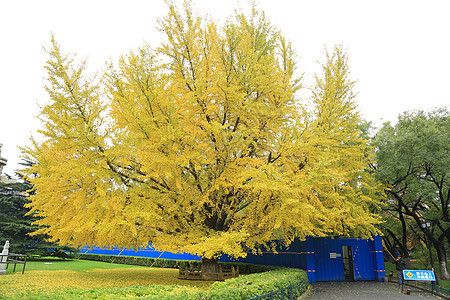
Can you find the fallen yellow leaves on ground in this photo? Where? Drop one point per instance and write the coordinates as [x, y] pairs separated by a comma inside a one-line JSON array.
[[46, 282]]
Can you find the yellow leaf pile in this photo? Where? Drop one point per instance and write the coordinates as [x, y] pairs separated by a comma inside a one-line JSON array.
[[47, 282]]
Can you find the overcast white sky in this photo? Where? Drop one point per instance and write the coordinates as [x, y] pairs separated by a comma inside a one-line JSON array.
[[399, 51]]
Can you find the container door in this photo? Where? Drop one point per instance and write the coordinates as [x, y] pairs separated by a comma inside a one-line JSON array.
[[347, 257]]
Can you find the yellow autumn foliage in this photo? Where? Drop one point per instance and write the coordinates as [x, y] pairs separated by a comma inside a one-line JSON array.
[[200, 145]]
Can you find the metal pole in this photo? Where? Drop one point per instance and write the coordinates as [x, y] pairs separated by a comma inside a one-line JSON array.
[[433, 283]]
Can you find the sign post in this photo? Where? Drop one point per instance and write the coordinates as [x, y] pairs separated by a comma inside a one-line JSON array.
[[419, 275]]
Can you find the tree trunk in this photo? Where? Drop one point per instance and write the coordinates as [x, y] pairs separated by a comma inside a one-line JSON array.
[[404, 244], [396, 245], [390, 247], [442, 256], [210, 265]]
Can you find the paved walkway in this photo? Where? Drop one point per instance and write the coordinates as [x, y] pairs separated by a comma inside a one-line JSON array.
[[362, 290]]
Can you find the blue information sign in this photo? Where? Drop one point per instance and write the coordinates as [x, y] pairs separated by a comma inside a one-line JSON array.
[[424, 275]]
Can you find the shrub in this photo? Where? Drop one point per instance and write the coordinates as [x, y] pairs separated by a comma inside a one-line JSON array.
[[257, 284]]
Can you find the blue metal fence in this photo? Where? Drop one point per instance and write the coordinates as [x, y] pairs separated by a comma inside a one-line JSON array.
[[322, 258]]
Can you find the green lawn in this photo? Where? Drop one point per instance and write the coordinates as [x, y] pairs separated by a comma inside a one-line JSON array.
[[85, 280], [68, 264], [63, 279]]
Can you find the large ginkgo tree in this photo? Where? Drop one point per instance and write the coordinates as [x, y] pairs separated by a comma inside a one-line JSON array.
[[200, 145]]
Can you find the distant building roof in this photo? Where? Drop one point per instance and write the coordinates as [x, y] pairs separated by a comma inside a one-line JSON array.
[[4, 179], [2, 160]]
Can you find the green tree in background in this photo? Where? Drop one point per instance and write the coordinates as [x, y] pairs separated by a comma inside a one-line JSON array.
[[15, 224], [413, 158]]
